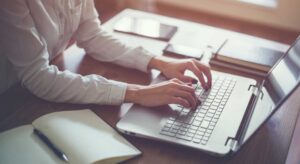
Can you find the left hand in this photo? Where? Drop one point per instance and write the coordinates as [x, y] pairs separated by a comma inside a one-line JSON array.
[[175, 68]]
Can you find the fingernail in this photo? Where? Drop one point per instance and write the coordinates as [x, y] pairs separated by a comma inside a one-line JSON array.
[[189, 84], [199, 102], [194, 81], [206, 87]]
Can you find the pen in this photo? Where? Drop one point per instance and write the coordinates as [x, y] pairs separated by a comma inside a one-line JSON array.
[[58, 152]]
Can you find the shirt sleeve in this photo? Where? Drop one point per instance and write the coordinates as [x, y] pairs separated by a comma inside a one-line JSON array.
[[103, 46], [26, 49]]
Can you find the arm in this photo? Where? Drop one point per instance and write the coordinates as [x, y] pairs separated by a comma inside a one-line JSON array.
[[103, 47], [26, 49]]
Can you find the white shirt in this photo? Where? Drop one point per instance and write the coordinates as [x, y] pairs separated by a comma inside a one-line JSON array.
[[33, 32]]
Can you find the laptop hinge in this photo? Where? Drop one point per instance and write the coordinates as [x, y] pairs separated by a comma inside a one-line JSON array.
[[232, 143], [254, 88]]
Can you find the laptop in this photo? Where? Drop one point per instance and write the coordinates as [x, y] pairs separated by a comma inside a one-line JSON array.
[[230, 112]]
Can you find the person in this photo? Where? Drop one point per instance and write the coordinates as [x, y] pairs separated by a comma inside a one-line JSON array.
[[34, 32]]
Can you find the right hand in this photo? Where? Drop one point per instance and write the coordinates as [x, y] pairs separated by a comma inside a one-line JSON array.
[[172, 91]]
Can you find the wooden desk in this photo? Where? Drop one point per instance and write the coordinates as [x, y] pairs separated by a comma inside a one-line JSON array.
[[269, 145]]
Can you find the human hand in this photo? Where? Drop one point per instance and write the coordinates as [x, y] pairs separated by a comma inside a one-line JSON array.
[[172, 91], [175, 68]]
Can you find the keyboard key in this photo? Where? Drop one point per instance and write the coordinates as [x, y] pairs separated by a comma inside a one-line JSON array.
[[206, 135], [215, 104], [209, 100], [207, 119], [196, 140], [175, 127], [204, 124], [214, 107], [200, 115], [209, 115], [199, 118], [216, 116], [196, 123], [173, 130], [208, 131], [200, 133], [205, 139], [203, 142], [217, 101], [201, 129], [218, 97], [190, 134], [181, 132], [170, 121], [167, 133], [193, 127], [214, 120], [221, 106], [177, 123], [192, 131], [187, 138], [204, 108], [212, 111], [165, 129]]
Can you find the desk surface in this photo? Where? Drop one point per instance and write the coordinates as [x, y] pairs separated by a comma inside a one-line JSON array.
[[269, 145]]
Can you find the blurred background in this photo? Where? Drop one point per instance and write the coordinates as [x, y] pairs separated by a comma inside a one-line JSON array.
[[277, 20]]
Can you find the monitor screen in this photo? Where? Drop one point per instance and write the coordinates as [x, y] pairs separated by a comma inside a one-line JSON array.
[[281, 80]]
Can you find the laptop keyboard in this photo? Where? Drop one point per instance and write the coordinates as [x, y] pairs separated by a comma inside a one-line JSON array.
[[197, 125]]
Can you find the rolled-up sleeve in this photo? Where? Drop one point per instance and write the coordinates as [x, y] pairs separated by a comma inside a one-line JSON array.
[[103, 46], [26, 49]]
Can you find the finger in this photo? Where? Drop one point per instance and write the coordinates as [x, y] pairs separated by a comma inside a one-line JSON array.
[[187, 79], [180, 101], [182, 85], [187, 96], [207, 72], [177, 81], [199, 74], [186, 87]]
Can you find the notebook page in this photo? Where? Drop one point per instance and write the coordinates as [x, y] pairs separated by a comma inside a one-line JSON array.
[[21, 145], [84, 137]]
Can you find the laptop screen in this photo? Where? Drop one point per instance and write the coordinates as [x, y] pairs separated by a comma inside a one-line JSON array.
[[279, 83], [285, 75]]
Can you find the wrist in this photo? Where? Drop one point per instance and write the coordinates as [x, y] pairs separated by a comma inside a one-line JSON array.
[[131, 94], [157, 62]]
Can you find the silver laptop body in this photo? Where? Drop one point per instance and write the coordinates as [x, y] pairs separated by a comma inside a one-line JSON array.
[[222, 127]]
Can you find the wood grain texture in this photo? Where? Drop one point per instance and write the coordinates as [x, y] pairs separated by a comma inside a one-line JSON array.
[[108, 8]]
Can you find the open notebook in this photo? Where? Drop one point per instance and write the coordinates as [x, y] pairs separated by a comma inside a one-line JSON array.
[[81, 135]]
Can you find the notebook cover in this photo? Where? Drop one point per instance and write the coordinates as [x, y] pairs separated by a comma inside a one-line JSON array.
[[248, 55]]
